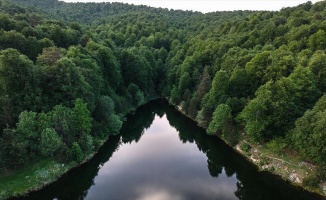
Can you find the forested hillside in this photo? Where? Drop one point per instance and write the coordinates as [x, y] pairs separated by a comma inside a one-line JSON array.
[[69, 72]]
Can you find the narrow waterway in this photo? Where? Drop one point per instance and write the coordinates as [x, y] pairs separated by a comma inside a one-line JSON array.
[[161, 155]]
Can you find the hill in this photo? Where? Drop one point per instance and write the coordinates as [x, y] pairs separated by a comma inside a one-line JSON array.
[[257, 76]]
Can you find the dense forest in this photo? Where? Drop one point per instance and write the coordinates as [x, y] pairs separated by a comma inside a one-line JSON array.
[[70, 71]]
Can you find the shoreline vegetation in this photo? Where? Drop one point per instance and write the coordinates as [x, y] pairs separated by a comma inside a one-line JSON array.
[[287, 166], [46, 172], [42, 173]]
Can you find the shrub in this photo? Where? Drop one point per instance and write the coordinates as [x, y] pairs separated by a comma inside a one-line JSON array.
[[245, 147], [311, 181]]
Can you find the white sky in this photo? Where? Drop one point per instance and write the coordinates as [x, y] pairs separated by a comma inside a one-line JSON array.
[[210, 5]]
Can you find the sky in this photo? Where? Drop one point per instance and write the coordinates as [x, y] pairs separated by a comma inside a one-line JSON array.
[[210, 5]]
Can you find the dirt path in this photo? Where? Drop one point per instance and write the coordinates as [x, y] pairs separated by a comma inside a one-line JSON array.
[[271, 157]]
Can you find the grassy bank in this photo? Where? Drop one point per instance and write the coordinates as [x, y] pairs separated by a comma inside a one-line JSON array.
[[36, 175], [31, 178]]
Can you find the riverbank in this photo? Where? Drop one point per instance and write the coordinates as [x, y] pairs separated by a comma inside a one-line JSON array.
[[31, 178], [40, 173], [36, 176], [288, 165], [43, 172]]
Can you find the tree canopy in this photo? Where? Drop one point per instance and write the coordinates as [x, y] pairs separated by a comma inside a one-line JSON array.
[[70, 71]]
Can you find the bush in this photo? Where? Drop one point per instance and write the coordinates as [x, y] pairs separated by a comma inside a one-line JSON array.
[[245, 147], [311, 181], [321, 171], [277, 145], [316, 177]]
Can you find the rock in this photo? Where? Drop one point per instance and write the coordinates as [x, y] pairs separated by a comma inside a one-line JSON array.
[[266, 167], [254, 160], [323, 187], [295, 178]]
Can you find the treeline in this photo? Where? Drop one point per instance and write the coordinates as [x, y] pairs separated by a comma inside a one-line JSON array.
[[258, 75], [265, 72], [86, 13], [64, 88]]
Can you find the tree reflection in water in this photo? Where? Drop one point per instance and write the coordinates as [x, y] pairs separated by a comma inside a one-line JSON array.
[[221, 161]]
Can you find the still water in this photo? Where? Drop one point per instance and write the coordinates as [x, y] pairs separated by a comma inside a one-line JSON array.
[[161, 155]]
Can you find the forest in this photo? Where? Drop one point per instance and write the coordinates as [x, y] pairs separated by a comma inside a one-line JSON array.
[[69, 72]]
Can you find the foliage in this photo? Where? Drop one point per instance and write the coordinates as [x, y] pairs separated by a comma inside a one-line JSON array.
[[220, 119], [50, 142], [245, 147], [311, 181], [136, 96], [82, 118], [76, 153], [13, 150], [308, 136], [277, 145], [71, 75]]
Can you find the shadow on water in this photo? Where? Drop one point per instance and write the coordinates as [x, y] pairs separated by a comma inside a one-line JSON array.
[[75, 184], [251, 184]]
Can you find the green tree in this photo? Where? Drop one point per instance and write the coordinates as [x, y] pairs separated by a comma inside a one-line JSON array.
[[240, 83], [27, 128], [85, 61], [50, 56], [278, 104], [317, 65], [136, 95], [104, 108], [87, 144], [255, 113], [136, 70], [115, 124], [221, 116], [50, 142], [109, 65], [27, 124], [17, 79], [62, 121], [13, 150], [309, 134], [64, 83], [257, 66], [220, 86], [215, 96], [76, 153], [317, 41], [43, 121], [82, 118]]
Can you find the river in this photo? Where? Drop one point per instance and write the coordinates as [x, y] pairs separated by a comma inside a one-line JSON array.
[[162, 155]]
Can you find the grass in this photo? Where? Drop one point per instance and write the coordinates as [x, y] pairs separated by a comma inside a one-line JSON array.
[[31, 178]]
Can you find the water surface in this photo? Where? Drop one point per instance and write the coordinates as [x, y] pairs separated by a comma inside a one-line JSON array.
[[161, 155]]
